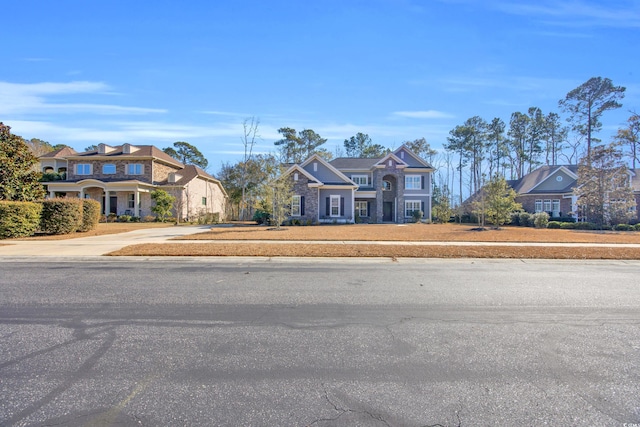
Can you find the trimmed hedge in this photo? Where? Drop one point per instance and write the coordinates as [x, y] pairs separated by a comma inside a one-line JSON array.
[[90, 214], [554, 224], [61, 216], [19, 219]]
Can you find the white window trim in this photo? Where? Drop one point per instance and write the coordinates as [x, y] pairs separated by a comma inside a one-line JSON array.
[[83, 173], [356, 178], [295, 205], [359, 209], [131, 201], [331, 205], [411, 202], [413, 180], [538, 205], [134, 166]]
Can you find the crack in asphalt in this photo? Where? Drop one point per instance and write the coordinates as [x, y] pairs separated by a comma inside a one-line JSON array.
[[343, 411]]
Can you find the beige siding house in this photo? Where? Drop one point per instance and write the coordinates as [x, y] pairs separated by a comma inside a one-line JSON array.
[[122, 178]]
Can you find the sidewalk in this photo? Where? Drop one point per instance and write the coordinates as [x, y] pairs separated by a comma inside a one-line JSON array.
[[100, 245], [93, 246]]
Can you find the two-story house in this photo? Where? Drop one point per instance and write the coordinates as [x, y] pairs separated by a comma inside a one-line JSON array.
[[387, 189], [122, 178]]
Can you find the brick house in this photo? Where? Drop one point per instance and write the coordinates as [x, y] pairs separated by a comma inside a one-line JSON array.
[[387, 189], [122, 178]]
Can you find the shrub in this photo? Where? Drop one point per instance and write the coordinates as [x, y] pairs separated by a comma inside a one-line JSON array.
[[637, 227], [61, 216], [524, 219], [90, 215], [585, 226], [554, 224], [124, 218], [515, 218], [261, 217], [148, 218], [568, 225], [417, 215], [19, 219], [624, 227], [563, 219], [540, 219]]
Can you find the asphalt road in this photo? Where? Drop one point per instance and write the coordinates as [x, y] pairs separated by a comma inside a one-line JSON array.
[[319, 343]]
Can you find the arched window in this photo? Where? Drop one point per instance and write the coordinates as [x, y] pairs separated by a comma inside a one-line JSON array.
[[386, 185]]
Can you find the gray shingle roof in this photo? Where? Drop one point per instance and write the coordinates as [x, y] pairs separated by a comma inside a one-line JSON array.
[[353, 163]]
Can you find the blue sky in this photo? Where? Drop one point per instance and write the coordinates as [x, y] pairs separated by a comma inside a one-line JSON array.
[[156, 72]]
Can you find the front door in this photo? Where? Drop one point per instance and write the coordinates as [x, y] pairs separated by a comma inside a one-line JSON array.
[[113, 204], [387, 212]]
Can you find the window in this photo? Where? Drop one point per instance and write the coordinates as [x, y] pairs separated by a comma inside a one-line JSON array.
[[204, 201], [362, 208], [108, 169], [295, 176], [538, 205], [547, 205], [386, 186], [412, 182], [131, 201], [555, 207], [315, 166], [135, 169], [295, 205], [83, 169], [410, 206], [335, 206], [360, 179]]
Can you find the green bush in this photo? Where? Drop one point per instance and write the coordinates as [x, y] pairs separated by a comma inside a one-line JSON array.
[[90, 215], [19, 219], [261, 217], [61, 216], [585, 226], [124, 218], [524, 219], [540, 219], [554, 224], [624, 227], [417, 215], [568, 225], [637, 227]]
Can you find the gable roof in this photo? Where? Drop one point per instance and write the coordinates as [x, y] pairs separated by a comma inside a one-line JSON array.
[[528, 183], [298, 168], [60, 153], [419, 159], [331, 168], [189, 173]]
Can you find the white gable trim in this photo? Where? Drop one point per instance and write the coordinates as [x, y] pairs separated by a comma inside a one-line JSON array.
[[561, 168], [298, 168], [340, 175], [412, 154], [381, 163]]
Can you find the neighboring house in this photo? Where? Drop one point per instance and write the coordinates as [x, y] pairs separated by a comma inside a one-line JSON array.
[[387, 189], [122, 178], [548, 189], [551, 189]]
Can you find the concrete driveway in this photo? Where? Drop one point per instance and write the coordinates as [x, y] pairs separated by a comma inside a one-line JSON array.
[[96, 245]]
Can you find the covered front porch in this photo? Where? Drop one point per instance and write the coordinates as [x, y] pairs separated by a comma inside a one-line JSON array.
[[118, 198]]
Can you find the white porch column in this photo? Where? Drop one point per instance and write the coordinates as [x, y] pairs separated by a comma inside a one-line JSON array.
[[137, 209], [107, 203], [52, 194], [81, 194]]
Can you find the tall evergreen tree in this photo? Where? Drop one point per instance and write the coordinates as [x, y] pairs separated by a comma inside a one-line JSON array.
[[586, 104]]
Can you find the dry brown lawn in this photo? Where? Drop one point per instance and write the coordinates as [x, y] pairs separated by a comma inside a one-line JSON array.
[[337, 241], [413, 233]]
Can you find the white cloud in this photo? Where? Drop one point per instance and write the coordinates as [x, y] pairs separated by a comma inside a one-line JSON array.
[[427, 114], [33, 98]]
